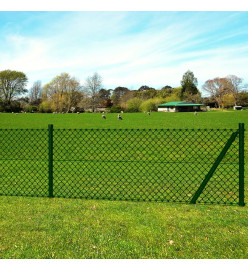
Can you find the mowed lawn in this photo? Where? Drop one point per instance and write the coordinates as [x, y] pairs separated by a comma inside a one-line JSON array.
[[213, 119], [79, 228]]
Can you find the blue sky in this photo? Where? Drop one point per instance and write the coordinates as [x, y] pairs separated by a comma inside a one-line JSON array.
[[126, 48]]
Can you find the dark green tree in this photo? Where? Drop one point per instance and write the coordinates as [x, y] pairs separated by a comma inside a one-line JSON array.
[[243, 98], [118, 93], [145, 87], [189, 84], [104, 94], [166, 87], [165, 91], [12, 84]]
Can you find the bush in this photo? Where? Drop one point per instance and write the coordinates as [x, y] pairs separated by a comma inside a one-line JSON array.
[[133, 105], [151, 104], [148, 105], [15, 106], [115, 109], [78, 109], [228, 101], [1, 106], [31, 109], [45, 107]]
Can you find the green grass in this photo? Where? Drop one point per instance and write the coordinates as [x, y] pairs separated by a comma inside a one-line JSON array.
[[79, 228], [76, 228], [140, 165], [215, 119]]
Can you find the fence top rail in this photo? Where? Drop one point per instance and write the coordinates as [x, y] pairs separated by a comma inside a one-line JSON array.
[[128, 129]]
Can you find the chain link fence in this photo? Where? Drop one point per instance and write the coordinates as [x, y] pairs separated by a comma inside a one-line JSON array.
[[167, 165]]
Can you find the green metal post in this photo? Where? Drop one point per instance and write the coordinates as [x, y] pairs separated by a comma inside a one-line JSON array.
[[241, 163], [50, 159], [214, 167]]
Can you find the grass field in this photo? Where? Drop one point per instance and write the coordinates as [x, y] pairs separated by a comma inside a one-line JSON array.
[[78, 228], [213, 119]]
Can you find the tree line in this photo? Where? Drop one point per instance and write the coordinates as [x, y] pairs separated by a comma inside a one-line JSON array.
[[65, 93]]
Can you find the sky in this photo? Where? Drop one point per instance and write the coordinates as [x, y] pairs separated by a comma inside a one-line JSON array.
[[130, 49]]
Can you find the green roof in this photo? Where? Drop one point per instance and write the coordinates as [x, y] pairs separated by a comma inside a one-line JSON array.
[[179, 104]]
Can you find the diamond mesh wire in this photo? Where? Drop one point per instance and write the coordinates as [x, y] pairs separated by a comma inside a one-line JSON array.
[[23, 162], [136, 164], [144, 165]]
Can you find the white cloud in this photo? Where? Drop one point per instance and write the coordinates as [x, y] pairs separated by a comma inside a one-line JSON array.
[[125, 52]]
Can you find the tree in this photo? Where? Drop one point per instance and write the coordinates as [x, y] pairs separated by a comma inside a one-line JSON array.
[[165, 92], [234, 85], [172, 97], [166, 87], [118, 93], [124, 99], [217, 88], [151, 104], [196, 98], [85, 102], [189, 84], [243, 99], [144, 88], [133, 105], [146, 94], [12, 84], [63, 91], [228, 101], [176, 92], [210, 101], [35, 93], [45, 107], [104, 96], [93, 85]]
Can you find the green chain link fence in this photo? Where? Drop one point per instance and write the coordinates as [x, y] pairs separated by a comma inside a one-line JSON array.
[[168, 165]]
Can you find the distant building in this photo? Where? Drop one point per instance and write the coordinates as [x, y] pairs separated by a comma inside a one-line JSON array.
[[179, 106], [106, 104], [237, 108]]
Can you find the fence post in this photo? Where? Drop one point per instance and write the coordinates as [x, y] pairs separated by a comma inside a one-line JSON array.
[[214, 167], [50, 160], [241, 164]]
